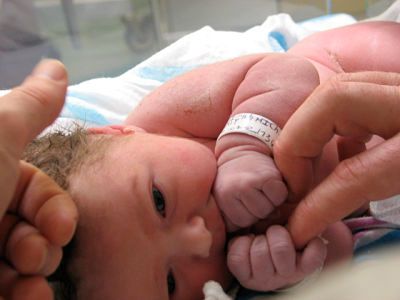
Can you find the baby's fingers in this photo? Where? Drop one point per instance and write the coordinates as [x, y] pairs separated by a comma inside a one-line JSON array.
[[282, 250], [313, 257], [239, 258], [238, 215], [257, 203], [30, 253], [261, 261]]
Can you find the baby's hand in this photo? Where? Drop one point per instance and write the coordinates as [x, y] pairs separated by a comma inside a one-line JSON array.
[[248, 187], [269, 262]]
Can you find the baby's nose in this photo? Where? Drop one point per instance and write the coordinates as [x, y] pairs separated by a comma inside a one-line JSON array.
[[194, 238]]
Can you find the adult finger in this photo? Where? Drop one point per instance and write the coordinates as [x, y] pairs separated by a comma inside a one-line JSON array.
[[343, 96], [353, 108], [371, 175], [7, 224], [350, 108], [29, 108], [24, 112], [30, 253], [40, 201], [16, 287]]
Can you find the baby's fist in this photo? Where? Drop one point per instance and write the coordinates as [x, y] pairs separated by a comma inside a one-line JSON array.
[[247, 188], [269, 262]]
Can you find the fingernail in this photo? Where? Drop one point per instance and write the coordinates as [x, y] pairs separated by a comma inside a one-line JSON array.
[[49, 68], [325, 241]]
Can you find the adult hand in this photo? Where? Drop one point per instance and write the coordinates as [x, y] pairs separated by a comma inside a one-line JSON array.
[[37, 217], [354, 106]]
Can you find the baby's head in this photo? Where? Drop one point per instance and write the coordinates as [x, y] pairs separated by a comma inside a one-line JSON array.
[[149, 227]]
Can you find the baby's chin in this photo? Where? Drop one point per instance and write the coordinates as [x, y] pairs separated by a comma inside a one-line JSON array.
[[340, 243]]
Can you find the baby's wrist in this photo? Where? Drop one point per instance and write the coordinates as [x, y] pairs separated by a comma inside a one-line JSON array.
[[253, 125], [237, 145]]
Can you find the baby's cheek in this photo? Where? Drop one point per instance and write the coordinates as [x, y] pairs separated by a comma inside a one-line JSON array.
[[340, 243], [201, 159]]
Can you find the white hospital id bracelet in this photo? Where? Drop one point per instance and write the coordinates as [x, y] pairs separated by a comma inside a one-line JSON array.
[[254, 125]]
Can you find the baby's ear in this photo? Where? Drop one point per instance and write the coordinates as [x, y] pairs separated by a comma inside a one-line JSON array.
[[115, 129]]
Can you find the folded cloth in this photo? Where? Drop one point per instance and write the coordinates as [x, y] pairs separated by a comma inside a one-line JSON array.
[[386, 210]]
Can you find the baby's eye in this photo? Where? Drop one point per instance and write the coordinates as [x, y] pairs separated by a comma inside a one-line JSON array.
[[171, 283], [159, 201]]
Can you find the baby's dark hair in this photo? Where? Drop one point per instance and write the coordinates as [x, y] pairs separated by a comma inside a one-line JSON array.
[[60, 155]]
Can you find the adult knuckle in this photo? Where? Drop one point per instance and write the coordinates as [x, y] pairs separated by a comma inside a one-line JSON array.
[[36, 93], [9, 153], [350, 170], [336, 86], [342, 77]]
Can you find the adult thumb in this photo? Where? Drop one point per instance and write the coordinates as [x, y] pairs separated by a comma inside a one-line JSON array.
[[32, 106]]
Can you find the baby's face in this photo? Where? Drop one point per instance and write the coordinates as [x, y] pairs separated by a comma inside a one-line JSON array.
[[149, 226]]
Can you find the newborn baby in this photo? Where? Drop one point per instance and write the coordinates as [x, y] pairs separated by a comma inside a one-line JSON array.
[[147, 191]]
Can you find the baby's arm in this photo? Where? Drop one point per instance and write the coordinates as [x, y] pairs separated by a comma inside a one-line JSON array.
[[196, 104], [248, 185], [199, 103]]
